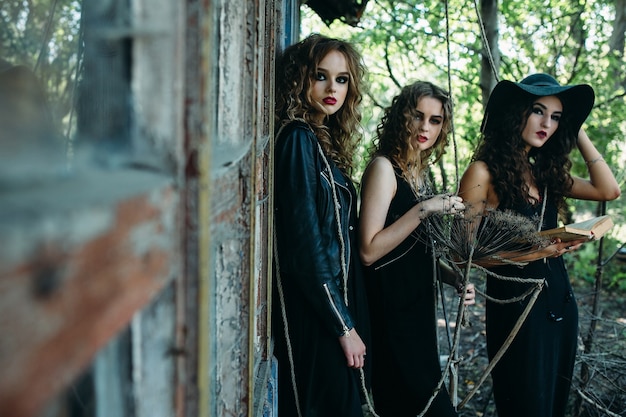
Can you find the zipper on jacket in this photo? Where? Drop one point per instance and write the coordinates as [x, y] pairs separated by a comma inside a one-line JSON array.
[[346, 331]]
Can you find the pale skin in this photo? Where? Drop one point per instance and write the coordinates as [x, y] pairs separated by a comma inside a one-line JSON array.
[[330, 86], [328, 92], [379, 187], [479, 194]]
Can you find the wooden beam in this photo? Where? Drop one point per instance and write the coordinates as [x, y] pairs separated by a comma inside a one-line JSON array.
[[59, 307]]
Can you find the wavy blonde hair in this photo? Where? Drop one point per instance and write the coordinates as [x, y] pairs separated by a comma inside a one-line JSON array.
[[395, 129], [340, 133]]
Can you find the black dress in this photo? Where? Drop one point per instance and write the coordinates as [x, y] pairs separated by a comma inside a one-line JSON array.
[[533, 378], [401, 289]]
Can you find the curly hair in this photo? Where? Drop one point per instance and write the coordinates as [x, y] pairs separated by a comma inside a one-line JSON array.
[[339, 134], [395, 129], [502, 148]]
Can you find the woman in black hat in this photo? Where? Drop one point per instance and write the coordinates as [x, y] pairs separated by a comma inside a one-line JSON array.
[[522, 164]]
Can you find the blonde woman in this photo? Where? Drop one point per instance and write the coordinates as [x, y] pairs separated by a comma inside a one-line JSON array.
[[396, 198], [321, 318]]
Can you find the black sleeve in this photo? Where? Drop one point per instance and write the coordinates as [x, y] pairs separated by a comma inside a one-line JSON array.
[[302, 253]]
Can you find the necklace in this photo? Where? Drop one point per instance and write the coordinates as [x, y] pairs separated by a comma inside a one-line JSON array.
[[569, 296], [416, 179]]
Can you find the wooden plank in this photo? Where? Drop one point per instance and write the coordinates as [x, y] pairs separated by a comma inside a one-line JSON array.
[[58, 308]]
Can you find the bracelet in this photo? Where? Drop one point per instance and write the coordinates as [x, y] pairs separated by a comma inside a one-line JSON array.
[[422, 212], [593, 161]]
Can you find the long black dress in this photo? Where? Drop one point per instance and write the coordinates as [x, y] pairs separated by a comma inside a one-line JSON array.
[[309, 249], [401, 289], [533, 378]]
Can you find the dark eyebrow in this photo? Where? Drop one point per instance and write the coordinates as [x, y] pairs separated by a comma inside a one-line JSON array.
[[439, 116], [536, 103], [341, 73]]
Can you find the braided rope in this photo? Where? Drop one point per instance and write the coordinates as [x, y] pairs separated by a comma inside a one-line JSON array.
[[344, 271], [454, 144], [505, 345], [283, 312], [342, 243], [507, 278], [483, 35], [370, 406], [508, 300]]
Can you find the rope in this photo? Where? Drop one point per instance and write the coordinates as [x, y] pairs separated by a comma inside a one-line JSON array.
[[46, 35], [69, 142], [505, 345], [538, 283], [342, 243], [506, 278], [454, 145], [508, 300], [455, 346], [370, 406], [483, 36], [344, 271], [283, 312]]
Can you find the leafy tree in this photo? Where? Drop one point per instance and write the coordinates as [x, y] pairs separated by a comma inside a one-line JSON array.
[[44, 35], [575, 41]]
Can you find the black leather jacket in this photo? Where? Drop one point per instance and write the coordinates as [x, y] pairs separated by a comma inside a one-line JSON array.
[[308, 241]]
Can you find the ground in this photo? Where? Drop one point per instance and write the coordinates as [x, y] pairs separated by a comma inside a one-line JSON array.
[[606, 360]]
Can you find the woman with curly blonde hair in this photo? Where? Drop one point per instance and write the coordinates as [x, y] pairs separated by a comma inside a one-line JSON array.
[[397, 126], [396, 198], [338, 133], [320, 321]]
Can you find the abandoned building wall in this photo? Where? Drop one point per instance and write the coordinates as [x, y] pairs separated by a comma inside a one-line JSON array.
[[91, 245], [134, 282]]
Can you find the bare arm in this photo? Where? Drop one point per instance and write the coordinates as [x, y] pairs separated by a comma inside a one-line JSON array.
[[476, 189], [379, 188], [601, 185]]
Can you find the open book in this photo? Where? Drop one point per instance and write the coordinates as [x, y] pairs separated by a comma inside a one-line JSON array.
[[593, 228]]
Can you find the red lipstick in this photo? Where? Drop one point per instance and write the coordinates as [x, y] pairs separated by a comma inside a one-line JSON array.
[[330, 100]]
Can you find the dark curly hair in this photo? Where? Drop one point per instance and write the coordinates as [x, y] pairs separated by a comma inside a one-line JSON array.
[[395, 129], [502, 148], [296, 69]]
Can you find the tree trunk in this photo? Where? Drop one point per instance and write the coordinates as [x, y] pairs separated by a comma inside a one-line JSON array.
[[490, 62]]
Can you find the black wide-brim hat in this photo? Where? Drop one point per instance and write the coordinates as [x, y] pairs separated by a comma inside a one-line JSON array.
[[577, 99]]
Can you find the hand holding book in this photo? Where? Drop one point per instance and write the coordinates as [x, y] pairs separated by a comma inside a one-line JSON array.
[[590, 229]]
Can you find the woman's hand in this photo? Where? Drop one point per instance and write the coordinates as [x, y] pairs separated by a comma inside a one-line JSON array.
[[442, 203], [558, 248], [354, 349], [468, 294], [553, 250]]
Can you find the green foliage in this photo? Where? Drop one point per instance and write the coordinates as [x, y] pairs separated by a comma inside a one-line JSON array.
[[407, 40], [44, 36], [583, 264]]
